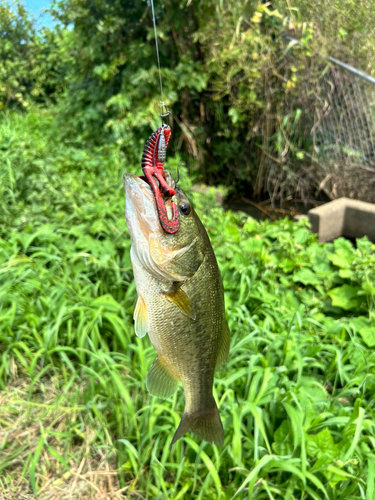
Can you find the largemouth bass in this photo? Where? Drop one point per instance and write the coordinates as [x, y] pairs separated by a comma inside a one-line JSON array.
[[180, 305]]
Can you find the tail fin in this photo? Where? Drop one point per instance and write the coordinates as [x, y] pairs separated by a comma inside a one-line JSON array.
[[205, 424]]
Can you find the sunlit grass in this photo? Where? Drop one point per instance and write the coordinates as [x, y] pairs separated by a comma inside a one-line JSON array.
[[296, 397]]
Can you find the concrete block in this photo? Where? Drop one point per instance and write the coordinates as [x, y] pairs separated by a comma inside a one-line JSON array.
[[343, 217]]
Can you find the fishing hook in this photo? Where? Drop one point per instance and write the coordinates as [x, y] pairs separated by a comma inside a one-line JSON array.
[[178, 176]]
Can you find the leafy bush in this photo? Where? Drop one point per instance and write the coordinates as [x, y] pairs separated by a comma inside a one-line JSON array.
[[239, 99], [347, 26], [31, 66], [113, 81], [246, 104], [296, 398]]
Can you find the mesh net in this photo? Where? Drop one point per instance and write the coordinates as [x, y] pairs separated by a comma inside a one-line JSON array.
[[348, 126], [345, 135]]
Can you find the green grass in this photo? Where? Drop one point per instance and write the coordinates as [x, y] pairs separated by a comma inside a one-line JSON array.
[[296, 397]]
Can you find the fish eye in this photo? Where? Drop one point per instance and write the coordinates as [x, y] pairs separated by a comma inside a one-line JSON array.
[[184, 207]]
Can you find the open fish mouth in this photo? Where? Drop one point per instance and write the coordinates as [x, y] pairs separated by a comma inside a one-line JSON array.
[[149, 245], [141, 218], [141, 212], [135, 187], [140, 203]]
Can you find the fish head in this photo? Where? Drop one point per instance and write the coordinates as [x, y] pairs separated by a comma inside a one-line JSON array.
[[171, 257]]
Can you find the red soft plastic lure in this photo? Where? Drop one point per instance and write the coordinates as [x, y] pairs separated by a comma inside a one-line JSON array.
[[153, 159]]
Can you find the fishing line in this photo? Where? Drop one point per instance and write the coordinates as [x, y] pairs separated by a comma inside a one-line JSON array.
[[157, 47], [164, 111]]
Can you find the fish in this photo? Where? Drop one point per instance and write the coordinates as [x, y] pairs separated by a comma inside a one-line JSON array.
[[180, 305]]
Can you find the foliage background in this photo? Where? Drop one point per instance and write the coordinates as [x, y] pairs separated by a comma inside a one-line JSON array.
[[78, 102], [296, 397], [244, 101]]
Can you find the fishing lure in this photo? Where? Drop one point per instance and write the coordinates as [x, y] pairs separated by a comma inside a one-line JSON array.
[[153, 158]]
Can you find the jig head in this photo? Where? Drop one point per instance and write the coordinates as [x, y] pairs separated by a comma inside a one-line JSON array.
[[153, 158]]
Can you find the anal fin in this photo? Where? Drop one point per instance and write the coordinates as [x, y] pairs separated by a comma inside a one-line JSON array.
[[140, 318], [224, 347], [161, 382]]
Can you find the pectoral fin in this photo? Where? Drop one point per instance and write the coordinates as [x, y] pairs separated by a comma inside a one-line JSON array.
[[140, 318], [179, 298], [224, 348], [161, 382]]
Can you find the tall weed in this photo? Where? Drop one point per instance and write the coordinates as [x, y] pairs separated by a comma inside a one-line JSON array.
[[296, 397]]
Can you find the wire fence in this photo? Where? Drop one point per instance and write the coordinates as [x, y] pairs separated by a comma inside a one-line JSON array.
[[347, 127], [344, 134]]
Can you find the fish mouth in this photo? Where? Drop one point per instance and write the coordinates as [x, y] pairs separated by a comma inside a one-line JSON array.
[[142, 199], [136, 186], [140, 209], [143, 223], [149, 245]]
